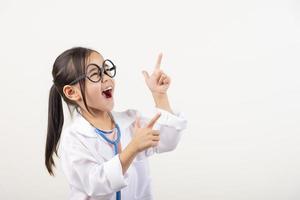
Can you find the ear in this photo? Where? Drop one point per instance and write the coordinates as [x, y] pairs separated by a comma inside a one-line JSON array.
[[72, 92]]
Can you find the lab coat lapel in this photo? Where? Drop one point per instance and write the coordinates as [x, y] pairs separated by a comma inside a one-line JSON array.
[[124, 120], [96, 144]]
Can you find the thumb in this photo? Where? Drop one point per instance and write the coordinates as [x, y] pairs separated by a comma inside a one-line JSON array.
[[146, 75]]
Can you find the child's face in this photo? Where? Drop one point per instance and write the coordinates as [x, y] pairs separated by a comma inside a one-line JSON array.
[[99, 95]]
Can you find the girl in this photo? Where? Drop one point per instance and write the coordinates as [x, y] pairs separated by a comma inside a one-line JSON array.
[[104, 154]]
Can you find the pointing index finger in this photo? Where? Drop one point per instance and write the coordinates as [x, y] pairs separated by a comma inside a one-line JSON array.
[[158, 61], [154, 120]]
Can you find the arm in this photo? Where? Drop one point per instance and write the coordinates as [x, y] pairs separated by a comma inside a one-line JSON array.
[[158, 83], [171, 124], [162, 102], [127, 156]]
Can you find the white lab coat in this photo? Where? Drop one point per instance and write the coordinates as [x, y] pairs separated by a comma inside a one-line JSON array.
[[95, 173]]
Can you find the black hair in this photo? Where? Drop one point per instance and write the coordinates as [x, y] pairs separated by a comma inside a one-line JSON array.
[[66, 68]]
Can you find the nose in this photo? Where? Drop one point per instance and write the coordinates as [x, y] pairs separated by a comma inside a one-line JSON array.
[[105, 78]]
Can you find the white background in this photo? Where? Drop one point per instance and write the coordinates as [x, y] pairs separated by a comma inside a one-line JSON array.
[[235, 72]]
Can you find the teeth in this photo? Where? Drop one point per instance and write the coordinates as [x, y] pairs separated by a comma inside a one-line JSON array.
[[109, 88]]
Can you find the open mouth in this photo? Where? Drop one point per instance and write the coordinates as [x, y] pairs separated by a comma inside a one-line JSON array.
[[107, 93]]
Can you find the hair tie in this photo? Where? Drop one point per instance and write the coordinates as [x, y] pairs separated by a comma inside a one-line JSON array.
[[54, 83]]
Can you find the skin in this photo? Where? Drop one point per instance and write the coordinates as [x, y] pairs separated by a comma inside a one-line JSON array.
[[144, 137]]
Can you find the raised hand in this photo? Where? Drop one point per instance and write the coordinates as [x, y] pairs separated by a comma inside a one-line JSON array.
[[158, 82]]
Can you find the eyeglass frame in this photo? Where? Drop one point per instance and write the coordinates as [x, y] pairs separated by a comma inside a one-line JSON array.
[[102, 71]]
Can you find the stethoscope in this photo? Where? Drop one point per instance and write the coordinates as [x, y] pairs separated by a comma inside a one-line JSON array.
[[113, 142]]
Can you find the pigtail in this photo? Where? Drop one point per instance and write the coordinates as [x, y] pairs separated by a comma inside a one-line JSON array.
[[55, 124], [66, 68]]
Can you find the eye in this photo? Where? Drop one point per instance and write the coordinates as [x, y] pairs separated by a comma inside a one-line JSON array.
[[94, 74]]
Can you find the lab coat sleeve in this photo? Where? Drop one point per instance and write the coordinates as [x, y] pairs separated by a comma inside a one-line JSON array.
[[170, 127], [98, 180]]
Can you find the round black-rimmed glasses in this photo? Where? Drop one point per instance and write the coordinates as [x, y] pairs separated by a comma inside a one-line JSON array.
[[95, 73]]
